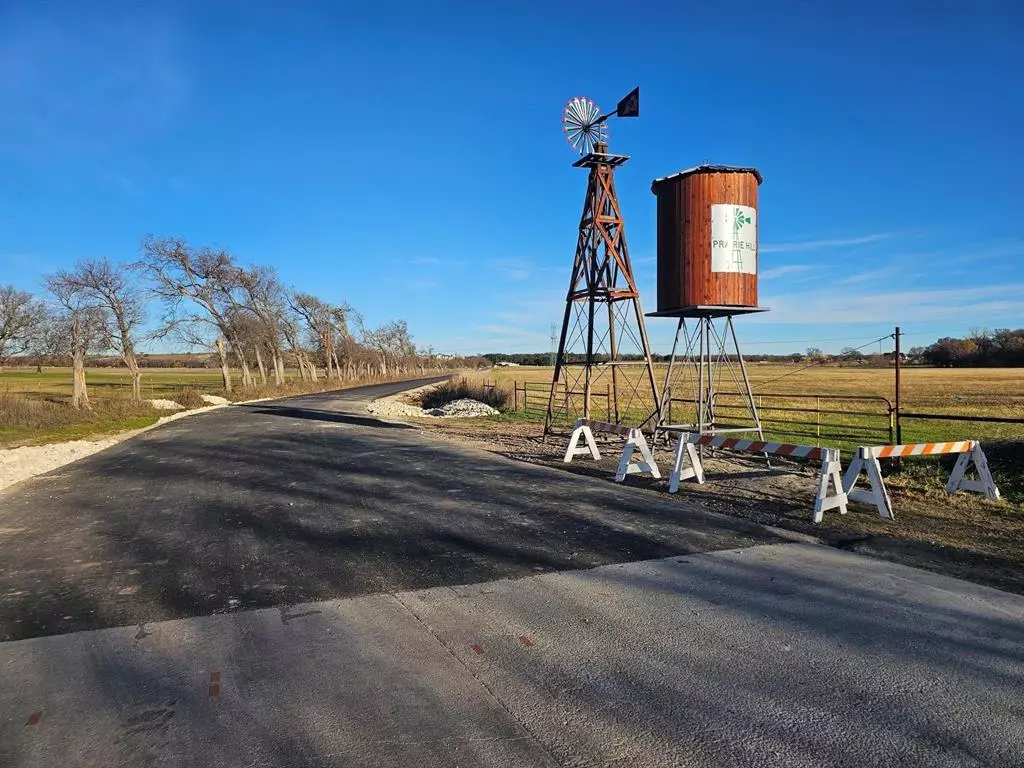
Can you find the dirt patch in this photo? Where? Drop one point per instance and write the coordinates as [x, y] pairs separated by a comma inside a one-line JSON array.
[[965, 536]]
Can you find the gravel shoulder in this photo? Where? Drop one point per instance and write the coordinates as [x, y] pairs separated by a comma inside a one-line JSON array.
[[17, 464]]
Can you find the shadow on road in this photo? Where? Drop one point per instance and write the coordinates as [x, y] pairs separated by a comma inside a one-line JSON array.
[[318, 415]]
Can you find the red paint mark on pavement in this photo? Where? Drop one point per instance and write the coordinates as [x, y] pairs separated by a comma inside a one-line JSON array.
[[34, 719], [214, 685], [526, 641], [477, 650]]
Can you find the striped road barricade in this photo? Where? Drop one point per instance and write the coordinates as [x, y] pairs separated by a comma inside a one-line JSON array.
[[687, 464], [866, 462]]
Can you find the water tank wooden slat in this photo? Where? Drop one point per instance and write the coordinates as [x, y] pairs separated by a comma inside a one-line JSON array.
[[707, 238]]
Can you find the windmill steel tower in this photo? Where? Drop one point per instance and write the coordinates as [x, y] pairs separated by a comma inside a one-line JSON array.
[[603, 368]]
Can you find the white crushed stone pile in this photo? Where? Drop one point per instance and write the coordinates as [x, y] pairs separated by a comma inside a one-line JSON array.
[[463, 408], [215, 400], [393, 408], [165, 405]]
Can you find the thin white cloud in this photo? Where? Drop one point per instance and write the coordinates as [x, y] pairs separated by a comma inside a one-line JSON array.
[[988, 303], [511, 269], [787, 269], [870, 275], [814, 245]]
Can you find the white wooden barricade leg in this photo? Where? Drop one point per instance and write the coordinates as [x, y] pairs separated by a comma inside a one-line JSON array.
[[830, 473], [685, 450], [636, 442], [984, 484], [581, 430], [878, 496]]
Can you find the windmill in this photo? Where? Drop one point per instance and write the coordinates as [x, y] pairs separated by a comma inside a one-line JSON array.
[[603, 366]]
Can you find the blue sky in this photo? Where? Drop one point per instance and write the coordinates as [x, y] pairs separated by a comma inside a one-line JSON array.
[[408, 157]]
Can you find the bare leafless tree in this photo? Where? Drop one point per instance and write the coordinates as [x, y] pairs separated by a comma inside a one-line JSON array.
[[83, 321], [316, 314], [265, 297], [391, 342], [21, 319], [197, 287], [110, 287]]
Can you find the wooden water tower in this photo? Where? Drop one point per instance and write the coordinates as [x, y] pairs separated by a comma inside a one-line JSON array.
[[707, 272]]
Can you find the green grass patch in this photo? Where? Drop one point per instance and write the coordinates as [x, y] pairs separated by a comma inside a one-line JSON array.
[[33, 421]]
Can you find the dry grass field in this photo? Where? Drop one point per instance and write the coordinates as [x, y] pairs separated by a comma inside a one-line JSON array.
[[34, 406]]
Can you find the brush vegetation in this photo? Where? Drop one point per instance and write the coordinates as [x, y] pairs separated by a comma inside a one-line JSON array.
[[460, 389]]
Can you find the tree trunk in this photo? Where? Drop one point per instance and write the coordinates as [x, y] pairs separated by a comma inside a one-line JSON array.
[[337, 367], [136, 374], [278, 369], [300, 361], [225, 372], [261, 366], [79, 394], [312, 371], [247, 380], [329, 354]]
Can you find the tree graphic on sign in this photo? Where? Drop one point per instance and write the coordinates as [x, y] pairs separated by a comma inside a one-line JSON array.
[[738, 220]]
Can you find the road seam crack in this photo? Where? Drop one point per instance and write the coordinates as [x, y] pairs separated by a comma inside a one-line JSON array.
[[487, 688]]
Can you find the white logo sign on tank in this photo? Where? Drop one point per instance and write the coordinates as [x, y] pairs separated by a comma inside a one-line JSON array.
[[733, 239]]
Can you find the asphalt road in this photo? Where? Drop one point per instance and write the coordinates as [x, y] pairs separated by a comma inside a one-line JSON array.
[[306, 499], [294, 584]]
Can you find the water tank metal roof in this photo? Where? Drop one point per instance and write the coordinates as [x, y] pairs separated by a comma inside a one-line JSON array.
[[709, 169]]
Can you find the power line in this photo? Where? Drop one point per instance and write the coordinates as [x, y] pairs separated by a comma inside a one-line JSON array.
[[811, 365]]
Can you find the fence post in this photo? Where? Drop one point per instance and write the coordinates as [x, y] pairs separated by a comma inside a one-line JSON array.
[[608, 402], [899, 428], [817, 420], [515, 395]]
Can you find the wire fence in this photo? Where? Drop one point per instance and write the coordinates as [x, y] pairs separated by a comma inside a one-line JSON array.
[[813, 418]]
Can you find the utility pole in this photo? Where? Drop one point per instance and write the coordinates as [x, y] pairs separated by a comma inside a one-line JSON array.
[[899, 429]]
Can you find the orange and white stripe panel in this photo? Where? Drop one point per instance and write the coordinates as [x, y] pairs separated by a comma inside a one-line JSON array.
[[758, 446], [917, 449]]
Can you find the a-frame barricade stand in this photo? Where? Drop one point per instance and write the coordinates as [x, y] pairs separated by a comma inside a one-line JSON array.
[[984, 484], [867, 458], [636, 443], [582, 429], [867, 463]]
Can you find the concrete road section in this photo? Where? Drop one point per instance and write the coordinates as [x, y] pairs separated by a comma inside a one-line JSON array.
[[307, 499], [783, 655]]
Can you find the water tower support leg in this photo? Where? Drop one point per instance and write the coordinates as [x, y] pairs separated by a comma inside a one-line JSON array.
[[751, 404]]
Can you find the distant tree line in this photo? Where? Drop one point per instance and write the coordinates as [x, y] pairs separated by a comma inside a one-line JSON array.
[[811, 355], [199, 297], [1002, 348]]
